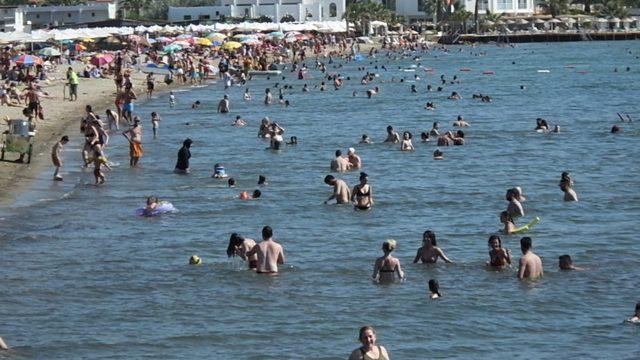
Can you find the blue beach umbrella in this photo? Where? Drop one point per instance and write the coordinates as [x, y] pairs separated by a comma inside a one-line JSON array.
[[171, 48]]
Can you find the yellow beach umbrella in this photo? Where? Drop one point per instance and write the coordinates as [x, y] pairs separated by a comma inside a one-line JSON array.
[[88, 40], [204, 42], [231, 45]]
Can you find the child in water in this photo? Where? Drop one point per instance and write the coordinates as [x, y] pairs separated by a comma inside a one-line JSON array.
[[565, 263], [172, 99], [499, 256], [635, 319], [98, 160], [434, 288], [219, 172]]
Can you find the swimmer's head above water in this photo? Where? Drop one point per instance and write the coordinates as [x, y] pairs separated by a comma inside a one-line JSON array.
[[389, 245], [195, 260]]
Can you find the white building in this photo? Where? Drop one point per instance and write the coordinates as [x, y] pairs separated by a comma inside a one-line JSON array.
[[11, 19], [300, 10], [41, 16], [413, 9], [510, 7]]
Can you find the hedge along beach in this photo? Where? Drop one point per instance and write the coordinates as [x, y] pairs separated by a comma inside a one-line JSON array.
[[131, 273]]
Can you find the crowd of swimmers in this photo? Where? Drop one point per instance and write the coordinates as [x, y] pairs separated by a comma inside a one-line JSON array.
[[265, 256]]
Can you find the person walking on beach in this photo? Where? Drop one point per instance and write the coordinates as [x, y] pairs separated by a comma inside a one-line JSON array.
[[530, 263], [55, 157], [369, 349], [134, 136], [184, 154], [269, 252], [72, 77]]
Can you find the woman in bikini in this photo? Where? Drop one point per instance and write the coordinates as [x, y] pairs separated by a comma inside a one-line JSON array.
[[239, 245], [499, 256], [369, 349], [507, 220], [429, 252], [362, 194], [387, 267]]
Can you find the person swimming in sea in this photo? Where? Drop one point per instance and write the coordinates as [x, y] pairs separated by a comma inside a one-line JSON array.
[[195, 260], [434, 289], [365, 139], [498, 256], [406, 144], [362, 194], [566, 263], [219, 172], [430, 252], [239, 245], [635, 319], [438, 155], [387, 267], [541, 125]]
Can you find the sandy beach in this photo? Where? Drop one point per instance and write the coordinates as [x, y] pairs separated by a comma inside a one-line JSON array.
[[61, 118]]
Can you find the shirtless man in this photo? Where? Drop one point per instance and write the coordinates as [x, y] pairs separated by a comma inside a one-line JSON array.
[[223, 105], [460, 122], [341, 191], [530, 263], [269, 252], [128, 98], [354, 160], [392, 135], [134, 136], [340, 164]]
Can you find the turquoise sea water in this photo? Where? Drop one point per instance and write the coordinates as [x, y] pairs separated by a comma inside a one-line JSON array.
[[81, 277]]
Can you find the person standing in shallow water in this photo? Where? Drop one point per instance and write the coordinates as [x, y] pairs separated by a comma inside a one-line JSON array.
[[340, 190], [269, 252], [369, 350], [184, 154], [362, 194], [530, 263], [134, 136], [387, 267], [430, 252]]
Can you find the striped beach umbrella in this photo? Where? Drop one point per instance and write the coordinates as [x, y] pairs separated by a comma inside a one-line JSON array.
[[28, 60]]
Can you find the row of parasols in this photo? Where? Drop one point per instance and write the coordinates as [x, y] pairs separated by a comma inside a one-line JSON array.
[[32, 60]]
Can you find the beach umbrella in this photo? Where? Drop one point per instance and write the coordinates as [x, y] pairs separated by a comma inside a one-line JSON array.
[[569, 20], [164, 39], [216, 43], [28, 60], [231, 45], [101, 59], [49, 51], [276, 35], [488, 22], [204, 42], [539, 21], [555, 21], [87, 39], [182, 43], [522, 22], [66, 41], [216, 36], [80, 47], [184, 36], [171, 48], [251, 41], [510, 22]]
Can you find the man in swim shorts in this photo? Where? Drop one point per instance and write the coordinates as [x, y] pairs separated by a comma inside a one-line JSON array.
[[134, 136], [129, 97], [269, 252], [223, 105]]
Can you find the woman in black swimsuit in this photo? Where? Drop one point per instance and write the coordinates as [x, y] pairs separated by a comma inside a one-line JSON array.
[[387, 266], [362, 194]]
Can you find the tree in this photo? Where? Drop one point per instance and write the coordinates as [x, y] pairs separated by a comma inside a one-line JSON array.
[[461, 16], [614, 8], [134, 8], [363, 13], [555, 7]]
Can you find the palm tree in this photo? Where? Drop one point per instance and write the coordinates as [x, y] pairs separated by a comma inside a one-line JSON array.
[[363, 13], [556, 7], [614, 8], [475, 16]]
